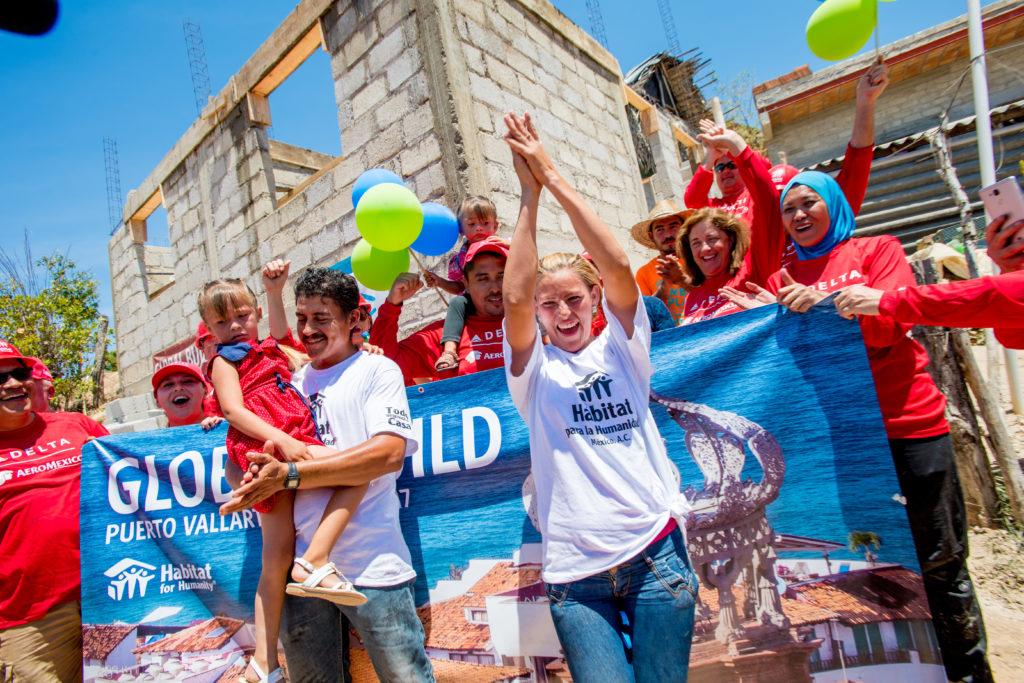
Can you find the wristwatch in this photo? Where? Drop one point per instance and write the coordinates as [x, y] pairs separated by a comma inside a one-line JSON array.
[[291, 481]]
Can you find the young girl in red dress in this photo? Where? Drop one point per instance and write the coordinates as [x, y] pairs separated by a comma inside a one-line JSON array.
[[252, 380]]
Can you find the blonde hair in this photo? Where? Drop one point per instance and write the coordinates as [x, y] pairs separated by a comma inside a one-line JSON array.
[[220, 295], [296, 358], [563, 260], [731, 225], [478, 207]]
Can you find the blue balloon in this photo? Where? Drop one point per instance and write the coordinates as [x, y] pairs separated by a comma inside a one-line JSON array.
[[375, 176], [344, 265], [440, 230]]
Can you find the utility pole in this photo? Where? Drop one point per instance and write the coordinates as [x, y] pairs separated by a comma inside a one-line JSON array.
[[986, 158]]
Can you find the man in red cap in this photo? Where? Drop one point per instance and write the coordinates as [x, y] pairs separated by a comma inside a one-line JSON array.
[[183, 394], [853, 177], [40, 467], [480, 346]]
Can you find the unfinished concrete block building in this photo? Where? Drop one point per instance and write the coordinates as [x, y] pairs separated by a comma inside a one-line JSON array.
[[421, 87]]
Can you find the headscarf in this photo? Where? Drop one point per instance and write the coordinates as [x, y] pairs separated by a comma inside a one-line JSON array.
[[841, 220]]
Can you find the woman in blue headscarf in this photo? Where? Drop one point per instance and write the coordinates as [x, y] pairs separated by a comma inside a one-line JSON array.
[[819, 220]]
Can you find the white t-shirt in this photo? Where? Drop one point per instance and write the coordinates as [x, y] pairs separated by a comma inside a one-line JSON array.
[[605, 486], [360, 397]]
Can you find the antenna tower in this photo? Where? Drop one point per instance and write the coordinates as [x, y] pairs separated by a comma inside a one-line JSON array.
[[596, 20], [112, 167], [197, 64], [669, 23]]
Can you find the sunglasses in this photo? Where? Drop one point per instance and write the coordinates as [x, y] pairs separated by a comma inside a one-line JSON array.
[[722, 165], [19, 374]]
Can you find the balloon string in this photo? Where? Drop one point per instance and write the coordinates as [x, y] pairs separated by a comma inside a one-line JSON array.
[[878, 50], [423, 270]]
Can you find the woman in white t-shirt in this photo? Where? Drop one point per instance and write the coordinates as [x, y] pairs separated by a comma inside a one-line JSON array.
[[620, 584]]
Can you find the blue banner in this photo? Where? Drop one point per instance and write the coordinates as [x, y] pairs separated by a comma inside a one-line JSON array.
[[778, 409]]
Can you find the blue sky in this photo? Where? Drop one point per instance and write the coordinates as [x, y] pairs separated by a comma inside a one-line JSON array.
[[119, 69]]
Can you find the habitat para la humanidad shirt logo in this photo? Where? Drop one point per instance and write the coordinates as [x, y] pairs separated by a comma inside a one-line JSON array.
[[130, 578]]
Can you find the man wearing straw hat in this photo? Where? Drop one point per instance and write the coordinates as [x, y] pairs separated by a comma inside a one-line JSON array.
[[658, 232]]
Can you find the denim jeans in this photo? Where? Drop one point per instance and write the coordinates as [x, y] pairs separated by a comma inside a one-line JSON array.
[[314, 631], [926, 469], [647, 601]]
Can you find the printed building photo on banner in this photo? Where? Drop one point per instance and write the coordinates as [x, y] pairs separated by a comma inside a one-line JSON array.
[[797, 530]]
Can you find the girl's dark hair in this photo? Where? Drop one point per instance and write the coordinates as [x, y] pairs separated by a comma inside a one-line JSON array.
[[329, 284], [731, 225]]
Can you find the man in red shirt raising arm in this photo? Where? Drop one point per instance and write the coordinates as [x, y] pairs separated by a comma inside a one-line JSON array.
[[40, 464], [480, 347]]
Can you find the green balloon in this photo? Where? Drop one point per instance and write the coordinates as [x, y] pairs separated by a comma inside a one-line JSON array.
[[838, 28], [389, 216], [376, 268]]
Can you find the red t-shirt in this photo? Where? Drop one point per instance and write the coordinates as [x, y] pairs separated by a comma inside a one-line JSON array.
[[40, 467], [770, 247], [480, 347], [995, 301], [912, 406]]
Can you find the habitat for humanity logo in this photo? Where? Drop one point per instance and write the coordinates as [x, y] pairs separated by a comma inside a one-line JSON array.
[[127, 576], [6, 476], [594, 387]]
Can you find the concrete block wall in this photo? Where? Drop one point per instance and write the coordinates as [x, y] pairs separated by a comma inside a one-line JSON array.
[[521, 59], [421, 86], [673, 171], [905, 108]]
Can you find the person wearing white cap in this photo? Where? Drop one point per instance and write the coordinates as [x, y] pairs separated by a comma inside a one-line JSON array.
[[40, 460]]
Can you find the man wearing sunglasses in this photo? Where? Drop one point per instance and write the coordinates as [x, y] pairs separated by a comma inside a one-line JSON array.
[[735, 199], [40, 460]]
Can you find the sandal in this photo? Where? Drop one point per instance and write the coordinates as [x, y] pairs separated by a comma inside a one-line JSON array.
[[448, 360], [342, 594], [273, 677]]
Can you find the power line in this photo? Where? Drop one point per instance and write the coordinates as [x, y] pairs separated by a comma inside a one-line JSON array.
[[596, 20], [667, 20], [113, 172], [197, 64]]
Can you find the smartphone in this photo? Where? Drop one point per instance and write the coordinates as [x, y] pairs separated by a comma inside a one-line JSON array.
[[1004, 198]]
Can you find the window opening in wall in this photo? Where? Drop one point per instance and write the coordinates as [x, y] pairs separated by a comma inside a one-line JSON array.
[[150, 231], [158, 231], [295, 102]]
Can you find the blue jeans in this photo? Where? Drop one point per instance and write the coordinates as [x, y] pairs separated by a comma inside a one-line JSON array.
[[314, 631], [649, 599]]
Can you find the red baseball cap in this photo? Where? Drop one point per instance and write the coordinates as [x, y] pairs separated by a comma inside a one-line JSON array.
[[364, 304], [782, 174], [488, 245], [40, 371], [9, 351], [175, 368], [202, 334]]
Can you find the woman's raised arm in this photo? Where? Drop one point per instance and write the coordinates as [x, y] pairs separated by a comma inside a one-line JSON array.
[[620, 289]]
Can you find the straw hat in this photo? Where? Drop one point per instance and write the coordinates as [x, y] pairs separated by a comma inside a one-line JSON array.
[[641, 232]]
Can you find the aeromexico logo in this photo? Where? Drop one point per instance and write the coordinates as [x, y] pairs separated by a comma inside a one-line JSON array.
[[595, 390]]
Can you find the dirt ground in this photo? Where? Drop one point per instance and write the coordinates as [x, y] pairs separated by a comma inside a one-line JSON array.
[[997, 566]]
